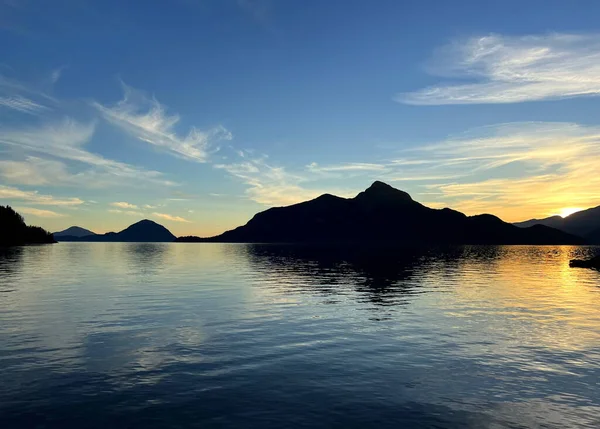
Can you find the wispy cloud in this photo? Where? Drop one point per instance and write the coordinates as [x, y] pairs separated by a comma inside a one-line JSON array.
[[11, 193], [506, 69], [126, 212], [421, 178], [67, 134], [273, 185], [147, 120], [21, 104], [33, 171], [38, 212], [24, 98], [124, 205], [170, 217], [66, 139], [353, 166], [395, 170], [56, 74], [517, 170]]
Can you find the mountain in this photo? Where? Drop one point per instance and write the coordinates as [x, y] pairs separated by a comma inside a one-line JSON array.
[[14, 231], [552, 222], [73, 231], [585, 223], [142, 231], [381, 214]]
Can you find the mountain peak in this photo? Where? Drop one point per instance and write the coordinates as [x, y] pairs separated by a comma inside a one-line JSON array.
[[146, 230], [379, 189], [379, 185], [75, 231], [146, 222], [380, 215]]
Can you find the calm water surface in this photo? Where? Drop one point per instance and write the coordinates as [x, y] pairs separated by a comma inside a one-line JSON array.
[[208, 335]]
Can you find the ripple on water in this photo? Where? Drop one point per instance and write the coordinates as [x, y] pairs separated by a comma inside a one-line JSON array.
[[180, 335]]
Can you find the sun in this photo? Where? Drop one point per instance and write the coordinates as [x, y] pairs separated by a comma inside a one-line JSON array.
[[567, 211]]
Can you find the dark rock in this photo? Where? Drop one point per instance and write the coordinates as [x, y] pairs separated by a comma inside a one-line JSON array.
[[586, 263]]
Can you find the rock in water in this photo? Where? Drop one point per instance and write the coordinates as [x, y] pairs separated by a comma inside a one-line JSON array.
[[589, 263]]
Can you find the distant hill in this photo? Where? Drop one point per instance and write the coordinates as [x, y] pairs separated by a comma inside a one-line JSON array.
[[552, 222], [584, 223], [142, 231], [381, 214], [14, 231], [73, 231]]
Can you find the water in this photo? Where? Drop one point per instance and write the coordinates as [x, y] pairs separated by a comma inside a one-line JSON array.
[[208, 335]]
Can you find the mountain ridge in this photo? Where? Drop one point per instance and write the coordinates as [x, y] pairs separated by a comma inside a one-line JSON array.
[[144, 230], [74, 231], [584, 223], [381, 214]]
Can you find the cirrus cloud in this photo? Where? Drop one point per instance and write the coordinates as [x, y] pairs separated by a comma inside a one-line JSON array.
[[273, 185], [170, 217], [38, 212], [11, 193], [147, 120], [126, 212], [124, 205], [21, 104], [66, 140], [517, 170], [508, 69], [33, 171]]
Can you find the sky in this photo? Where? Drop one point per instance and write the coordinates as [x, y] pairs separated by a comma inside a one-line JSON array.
[[200, 113]]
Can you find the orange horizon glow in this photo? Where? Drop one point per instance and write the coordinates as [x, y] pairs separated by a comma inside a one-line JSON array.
[[568, 211]]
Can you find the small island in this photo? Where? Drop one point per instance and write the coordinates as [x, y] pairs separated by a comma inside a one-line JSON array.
[[15, 232]]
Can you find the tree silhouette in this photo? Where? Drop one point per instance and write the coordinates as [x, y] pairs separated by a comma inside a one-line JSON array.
[[14, 231]]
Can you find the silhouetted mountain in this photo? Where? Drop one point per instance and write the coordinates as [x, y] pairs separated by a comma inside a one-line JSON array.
[[584, 223], [73, 231], [14, 231], [381, 214], [142, 231], [552, 222]]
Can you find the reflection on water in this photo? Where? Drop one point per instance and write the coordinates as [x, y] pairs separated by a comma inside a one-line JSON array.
[[383, 276], [203, 335], [11, 261]]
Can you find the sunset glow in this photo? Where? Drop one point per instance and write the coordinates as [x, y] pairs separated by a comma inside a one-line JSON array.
[[79, 146], [567, 211]]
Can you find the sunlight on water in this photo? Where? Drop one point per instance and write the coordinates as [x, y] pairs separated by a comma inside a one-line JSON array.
[[203, 335]]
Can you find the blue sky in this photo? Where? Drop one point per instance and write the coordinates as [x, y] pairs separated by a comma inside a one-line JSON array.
[[200, 113]]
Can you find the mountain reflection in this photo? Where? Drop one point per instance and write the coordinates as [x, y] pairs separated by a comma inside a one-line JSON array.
[[384, 275], [145, 258]]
